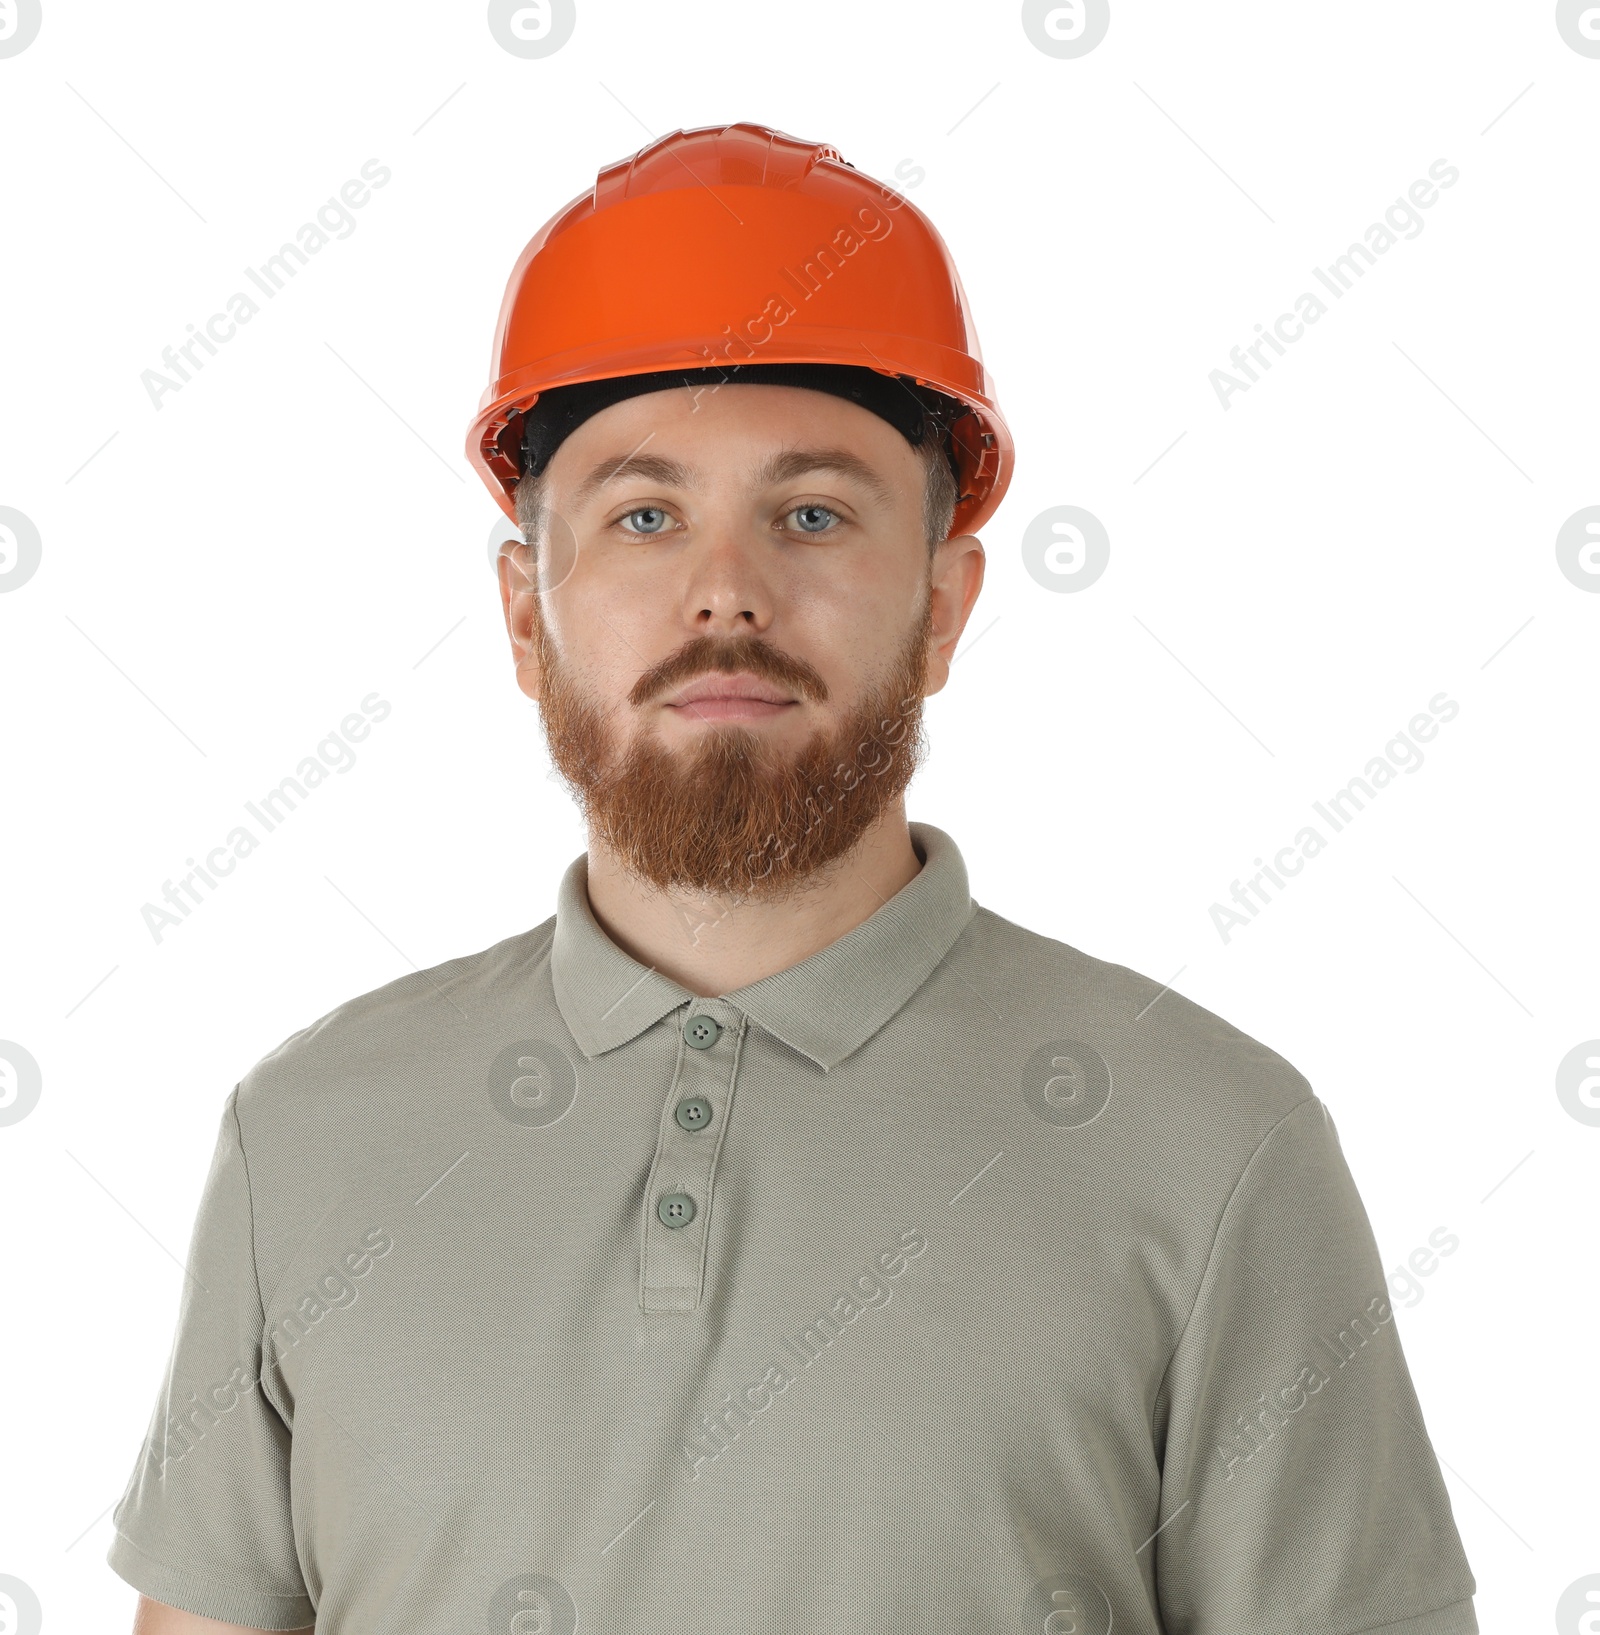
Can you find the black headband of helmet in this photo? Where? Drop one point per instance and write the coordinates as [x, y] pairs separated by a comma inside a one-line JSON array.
[[916, 412]]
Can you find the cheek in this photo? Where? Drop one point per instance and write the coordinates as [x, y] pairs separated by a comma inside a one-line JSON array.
[[602, 645], [857, 621]]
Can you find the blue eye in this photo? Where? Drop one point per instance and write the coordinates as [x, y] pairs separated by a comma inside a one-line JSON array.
[[825, 511], [645, 511]]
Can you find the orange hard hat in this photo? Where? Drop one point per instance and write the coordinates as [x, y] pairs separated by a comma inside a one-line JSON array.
[[733, 245]]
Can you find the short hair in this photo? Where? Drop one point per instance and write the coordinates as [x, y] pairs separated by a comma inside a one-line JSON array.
[[938, 497]]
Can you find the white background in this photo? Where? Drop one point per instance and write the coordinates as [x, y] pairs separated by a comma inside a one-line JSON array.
[[1291, 580]]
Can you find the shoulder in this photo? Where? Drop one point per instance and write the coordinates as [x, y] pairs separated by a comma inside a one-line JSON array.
[[1180, 1071], [393, 1030]]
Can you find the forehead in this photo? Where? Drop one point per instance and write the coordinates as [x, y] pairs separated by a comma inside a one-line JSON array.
[[759, 435]]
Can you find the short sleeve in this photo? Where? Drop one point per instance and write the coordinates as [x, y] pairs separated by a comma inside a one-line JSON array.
[[1299, 1489], [204, 1524]]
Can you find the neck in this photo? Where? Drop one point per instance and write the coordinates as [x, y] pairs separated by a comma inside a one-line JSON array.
[[711, 945]]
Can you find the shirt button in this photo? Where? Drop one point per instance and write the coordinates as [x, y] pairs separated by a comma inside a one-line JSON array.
[[693, 1113], [702, 1032], [676, 1209]]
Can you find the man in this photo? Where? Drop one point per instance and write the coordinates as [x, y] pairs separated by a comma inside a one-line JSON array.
[[774, 1239]]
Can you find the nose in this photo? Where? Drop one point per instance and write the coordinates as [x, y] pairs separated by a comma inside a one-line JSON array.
[[728, 588]]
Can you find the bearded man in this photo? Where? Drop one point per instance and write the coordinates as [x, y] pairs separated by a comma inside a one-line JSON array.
[[774, 1238]]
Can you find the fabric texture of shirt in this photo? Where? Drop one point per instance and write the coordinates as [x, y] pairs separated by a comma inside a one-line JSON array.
[[950, 1279]]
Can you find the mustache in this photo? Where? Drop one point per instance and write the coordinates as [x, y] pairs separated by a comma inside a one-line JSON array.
[[728, 656]]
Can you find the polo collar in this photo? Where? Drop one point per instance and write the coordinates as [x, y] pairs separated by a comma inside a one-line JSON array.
[[826, 1007]]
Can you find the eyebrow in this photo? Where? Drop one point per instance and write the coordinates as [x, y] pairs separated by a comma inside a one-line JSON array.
[[782, 467]]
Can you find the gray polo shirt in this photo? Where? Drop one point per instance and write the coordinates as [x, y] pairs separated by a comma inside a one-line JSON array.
[[951, 1279]]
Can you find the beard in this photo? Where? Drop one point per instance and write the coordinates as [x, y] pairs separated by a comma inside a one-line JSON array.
[[732, 815]]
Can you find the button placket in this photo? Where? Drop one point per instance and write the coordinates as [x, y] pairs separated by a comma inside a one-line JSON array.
[[688, 1142]]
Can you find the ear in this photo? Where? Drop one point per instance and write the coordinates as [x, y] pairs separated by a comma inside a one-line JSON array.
[[956, 578], [519, 590]]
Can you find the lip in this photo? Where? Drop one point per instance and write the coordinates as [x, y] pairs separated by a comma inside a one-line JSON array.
[[730, 709], [727, 698]]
